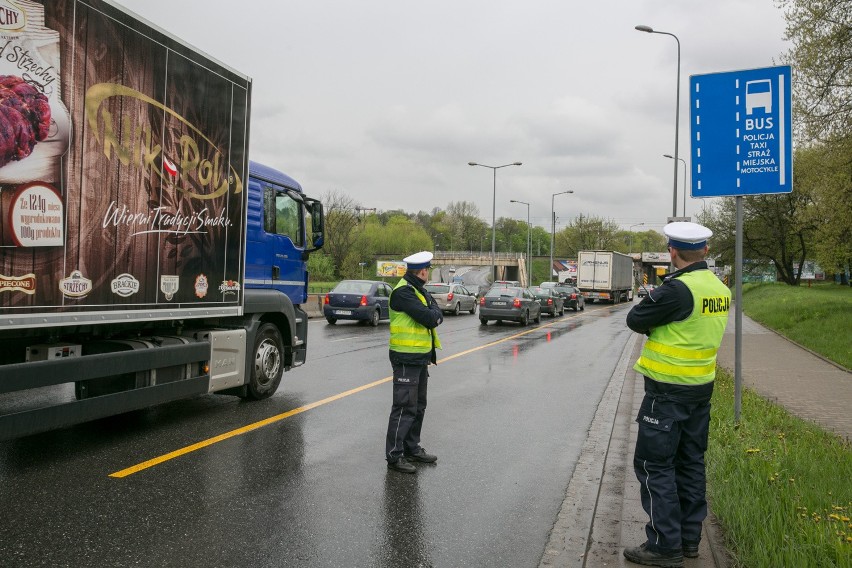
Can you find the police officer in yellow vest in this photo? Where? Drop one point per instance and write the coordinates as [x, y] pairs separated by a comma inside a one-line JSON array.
[[414, 315], [684, 320]]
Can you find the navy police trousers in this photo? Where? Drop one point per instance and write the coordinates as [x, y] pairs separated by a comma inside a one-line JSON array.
[[409, 406], [669, 463]]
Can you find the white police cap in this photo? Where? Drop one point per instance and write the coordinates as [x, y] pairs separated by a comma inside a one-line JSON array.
[[419, 260], [687, 236]]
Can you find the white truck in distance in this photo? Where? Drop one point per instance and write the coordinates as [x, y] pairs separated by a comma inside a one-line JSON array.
[[605, 275]]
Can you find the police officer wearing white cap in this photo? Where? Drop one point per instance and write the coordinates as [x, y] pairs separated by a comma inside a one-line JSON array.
[[684, 320], [414, 315]]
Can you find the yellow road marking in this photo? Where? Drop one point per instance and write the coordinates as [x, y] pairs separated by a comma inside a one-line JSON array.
[[278, 417]]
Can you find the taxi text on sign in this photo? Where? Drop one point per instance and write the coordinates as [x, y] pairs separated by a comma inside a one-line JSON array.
[[741, 132]]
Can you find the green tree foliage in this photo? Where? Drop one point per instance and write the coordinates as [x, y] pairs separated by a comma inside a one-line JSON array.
[[320, 267], [821, 34], [341, 222], [587, 233], [393, 240], [824, 171], [775, 227]]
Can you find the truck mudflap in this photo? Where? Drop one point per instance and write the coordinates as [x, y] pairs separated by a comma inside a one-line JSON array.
[[22, 414]]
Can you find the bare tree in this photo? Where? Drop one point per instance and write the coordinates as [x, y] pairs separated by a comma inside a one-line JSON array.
[[341, 222]]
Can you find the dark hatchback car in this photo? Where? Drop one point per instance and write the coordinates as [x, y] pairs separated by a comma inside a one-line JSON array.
[[361, 300], [574, 299], [550, 302], [515, 304]]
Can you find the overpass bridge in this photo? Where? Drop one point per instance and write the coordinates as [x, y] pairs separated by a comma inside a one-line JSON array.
[[507, 265]]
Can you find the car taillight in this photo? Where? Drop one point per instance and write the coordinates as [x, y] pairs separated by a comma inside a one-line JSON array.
[[573, 296], [363, 300], [325, 301], [550, 301], [517, 303], [482, 301], [450, 297]]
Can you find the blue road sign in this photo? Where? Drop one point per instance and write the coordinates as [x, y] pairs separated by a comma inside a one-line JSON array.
[[741, 132]]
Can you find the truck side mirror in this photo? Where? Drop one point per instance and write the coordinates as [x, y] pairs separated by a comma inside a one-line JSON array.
[[315, 210]]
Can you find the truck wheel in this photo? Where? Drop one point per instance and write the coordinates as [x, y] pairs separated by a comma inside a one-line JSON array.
[[268, 365], [374, 319], [331, 321], [457, 309]]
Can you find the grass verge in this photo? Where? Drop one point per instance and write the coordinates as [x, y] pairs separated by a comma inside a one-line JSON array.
[[780, 486], [818, 317]]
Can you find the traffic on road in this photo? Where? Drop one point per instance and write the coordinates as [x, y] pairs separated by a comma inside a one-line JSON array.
[[300, 479]]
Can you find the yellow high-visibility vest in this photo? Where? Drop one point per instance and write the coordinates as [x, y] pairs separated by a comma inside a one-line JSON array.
[[685, 352], [408, 336]]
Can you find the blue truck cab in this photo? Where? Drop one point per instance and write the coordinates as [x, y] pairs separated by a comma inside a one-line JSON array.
[[282, 227]]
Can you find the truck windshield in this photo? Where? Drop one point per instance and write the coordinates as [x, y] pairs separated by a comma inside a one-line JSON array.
[[285, 218]]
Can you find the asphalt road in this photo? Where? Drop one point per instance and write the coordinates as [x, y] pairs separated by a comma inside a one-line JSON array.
[[509, 409]]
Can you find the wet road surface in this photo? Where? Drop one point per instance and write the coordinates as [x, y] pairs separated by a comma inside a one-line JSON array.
[[509, 408]]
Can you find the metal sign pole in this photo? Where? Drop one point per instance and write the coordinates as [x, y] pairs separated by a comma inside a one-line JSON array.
[[738, 315]]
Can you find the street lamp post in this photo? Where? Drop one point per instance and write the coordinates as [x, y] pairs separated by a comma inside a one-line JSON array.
[[529, 250], [651, 30], [685, 185], [631, 235], [494, 210], [553, 231]]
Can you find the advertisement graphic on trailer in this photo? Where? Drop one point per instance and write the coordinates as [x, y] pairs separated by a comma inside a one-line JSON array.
[[129, 194]]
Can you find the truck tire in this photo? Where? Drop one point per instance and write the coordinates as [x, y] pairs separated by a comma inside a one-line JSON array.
[[268, 363]]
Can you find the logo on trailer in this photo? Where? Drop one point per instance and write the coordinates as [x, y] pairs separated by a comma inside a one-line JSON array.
[[201, 285], [75, 285], [229, 287], [169, 286], [125, 285], [13, 18], [25, 283]]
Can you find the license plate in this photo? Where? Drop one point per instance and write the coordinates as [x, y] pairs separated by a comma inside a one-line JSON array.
[[343, 312], [498, 303]]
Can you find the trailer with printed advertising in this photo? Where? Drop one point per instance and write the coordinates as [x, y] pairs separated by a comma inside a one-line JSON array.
[[605, 275], [144, 257]]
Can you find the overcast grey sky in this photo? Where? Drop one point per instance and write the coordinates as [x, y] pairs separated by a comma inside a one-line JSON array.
[[388, 100]]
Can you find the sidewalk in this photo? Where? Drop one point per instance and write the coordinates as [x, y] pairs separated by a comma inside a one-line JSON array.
[[602, 513]]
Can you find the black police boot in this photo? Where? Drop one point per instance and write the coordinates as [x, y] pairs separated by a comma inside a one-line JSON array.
[[401, 465], [690, 549], [642, 555], [422, 456]]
